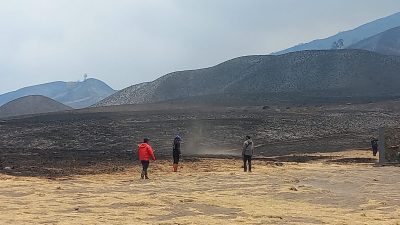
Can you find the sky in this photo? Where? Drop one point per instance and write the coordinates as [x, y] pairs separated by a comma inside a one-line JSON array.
[[125, 42]]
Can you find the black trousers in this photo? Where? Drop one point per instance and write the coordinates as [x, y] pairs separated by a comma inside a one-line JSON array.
[[176, 158], [145, 165], [374, 151], [247, 159]]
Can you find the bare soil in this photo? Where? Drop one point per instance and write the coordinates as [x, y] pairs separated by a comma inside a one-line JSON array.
[[331, 188]]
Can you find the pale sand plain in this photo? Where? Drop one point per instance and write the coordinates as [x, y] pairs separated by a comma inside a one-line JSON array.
[[211, 191]]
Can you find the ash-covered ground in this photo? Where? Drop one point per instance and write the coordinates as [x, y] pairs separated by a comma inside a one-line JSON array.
[[97, 139]]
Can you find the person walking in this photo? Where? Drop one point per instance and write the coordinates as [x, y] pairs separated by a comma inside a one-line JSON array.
[[176, 152], [247, 153], [145, 152]]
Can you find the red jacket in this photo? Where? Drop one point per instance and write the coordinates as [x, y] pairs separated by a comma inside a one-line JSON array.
[[145, 152]]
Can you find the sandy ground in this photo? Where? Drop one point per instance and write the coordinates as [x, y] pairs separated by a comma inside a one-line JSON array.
[[212, 191]]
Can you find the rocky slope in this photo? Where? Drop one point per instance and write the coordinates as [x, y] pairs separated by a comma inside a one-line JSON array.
[[33, 104], [74, 94], [387, 42], [307, 74]]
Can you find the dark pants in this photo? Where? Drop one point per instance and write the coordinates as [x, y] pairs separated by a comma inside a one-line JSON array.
[[374, 150], [176, 158], [145, 165], [246, 158]]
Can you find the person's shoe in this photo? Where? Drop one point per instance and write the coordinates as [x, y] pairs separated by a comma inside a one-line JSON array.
[[146, 177], [175, 167]]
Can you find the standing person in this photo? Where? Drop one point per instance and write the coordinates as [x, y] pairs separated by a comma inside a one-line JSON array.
[[176, 152], [374, 145], [247, 152], [145, 153]]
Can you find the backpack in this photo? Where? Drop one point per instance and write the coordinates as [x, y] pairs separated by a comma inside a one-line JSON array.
[[247, 146], [249, 143]]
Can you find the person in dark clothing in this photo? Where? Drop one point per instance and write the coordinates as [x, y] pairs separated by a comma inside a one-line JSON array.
[[176, 152], [374, 145], [145, 153], [247, 153]]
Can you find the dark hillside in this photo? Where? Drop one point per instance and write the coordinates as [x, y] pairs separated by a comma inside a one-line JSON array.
[[33, 104], [297, 77], [387, 43]]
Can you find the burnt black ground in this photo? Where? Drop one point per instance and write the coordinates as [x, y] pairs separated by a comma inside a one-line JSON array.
[[102, 139]]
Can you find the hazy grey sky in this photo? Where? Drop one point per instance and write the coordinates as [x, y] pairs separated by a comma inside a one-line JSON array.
[[124, 42]]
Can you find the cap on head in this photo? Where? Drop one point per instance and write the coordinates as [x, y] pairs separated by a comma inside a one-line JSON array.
[[145, 140], [248, 137]]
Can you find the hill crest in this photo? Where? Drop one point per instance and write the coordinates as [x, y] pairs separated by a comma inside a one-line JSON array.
[[334, 73], [79, 94], [32, 104], [387, 42], [348, 37]]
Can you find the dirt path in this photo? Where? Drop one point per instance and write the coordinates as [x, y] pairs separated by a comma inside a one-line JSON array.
[[209, 191]]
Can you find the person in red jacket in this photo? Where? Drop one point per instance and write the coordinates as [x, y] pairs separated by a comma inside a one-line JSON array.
[[145, 153]]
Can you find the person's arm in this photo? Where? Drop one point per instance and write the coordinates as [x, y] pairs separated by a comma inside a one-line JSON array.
[[244, 147], [150, 151]]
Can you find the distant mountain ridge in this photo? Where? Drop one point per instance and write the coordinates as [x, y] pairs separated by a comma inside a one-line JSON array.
[[33, 104], [349, 37], [334, 73], [74, 94], [387, 42]]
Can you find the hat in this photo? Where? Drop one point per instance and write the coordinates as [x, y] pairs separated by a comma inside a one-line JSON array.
[[145, 140]]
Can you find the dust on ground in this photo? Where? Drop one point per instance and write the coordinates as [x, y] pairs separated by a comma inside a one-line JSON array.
[[329, 188]]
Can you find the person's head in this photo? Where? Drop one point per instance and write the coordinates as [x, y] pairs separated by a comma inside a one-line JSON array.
[[248, 137], [178, 138], [146, 140]]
